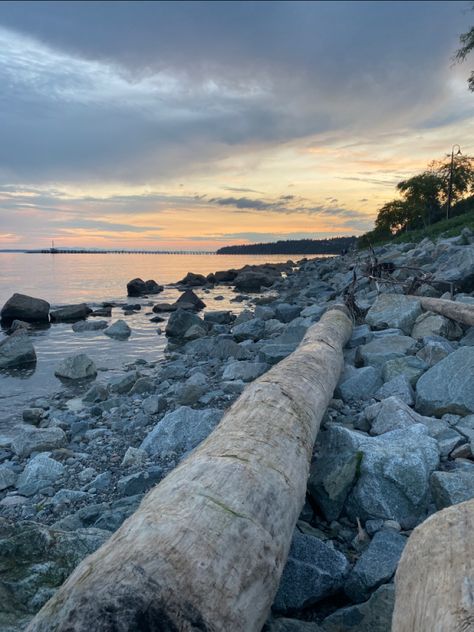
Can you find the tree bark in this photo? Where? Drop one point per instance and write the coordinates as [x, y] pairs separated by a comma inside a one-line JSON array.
[[206, 548], [460, 312], [435, 577]]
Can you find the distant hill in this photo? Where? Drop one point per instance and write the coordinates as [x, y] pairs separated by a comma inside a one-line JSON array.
[[293, 247]]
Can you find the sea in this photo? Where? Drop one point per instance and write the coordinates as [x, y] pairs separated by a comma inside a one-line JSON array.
[[64, 279]]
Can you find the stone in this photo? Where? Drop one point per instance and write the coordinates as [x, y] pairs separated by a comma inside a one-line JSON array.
[[138, 287], [118, 330], [398, 386], [193, 280], [33, 416], [89, 325], [374, 615], [250, 330], [465, 426], [384, 477], [216, 348], [97, 393], [7, 477], [180, 431], [458, 269], [314, 570], [468, 339], [393, 413], [123, 383], [219, 317], [361, 384], [18, 324], [153, 404], [30, 439], [190, 391], [434, 350], [253, 281], [134, 457], [180, 322], [448, 386], [394, 310], [140, 482], [189, 300], [381, 350], [361, 335], [161, 308], [245, 371], [286, 312], [451, 488], [39, 472], [70, 313], [27, 308], [16, 350], [430, 324], [291, 625], [142, 385], [273, 353], [376, 565], [76, 367]]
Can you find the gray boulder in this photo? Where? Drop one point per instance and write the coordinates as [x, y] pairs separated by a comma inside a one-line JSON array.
[[250, 330], [193, 280], [76, 367], [361, 384], [217, 348], [40, 471], [70, 313], [253, 281], [376, 565], [434, 350], [245, 371], [448, 386], [458, 269], [273, 353], [181, 321], [138, 287], [219, 317], [139, 482], [180, 431], [30, 439], [394, 310], [381, 350], [89, 325], [398, 386], [118, 330], [286, 312], [394, 414], [123, 383], [190, 300], [192, 389], [27, 308], [430, 324], [16, 350], [451, 488], [7, 477], [374, 615], [314, 570]]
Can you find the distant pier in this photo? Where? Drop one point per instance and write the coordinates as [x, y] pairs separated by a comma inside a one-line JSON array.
[[66, 251]]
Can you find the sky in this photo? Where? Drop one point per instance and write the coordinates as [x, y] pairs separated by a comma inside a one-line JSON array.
[[193, 125]]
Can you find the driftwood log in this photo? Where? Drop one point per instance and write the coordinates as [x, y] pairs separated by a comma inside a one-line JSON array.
[[435, 577], [206, 548], [460, 312]]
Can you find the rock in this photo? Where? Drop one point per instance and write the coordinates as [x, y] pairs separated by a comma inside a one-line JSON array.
[[448, 386], [374, 615], [138, 287], [30, 439], [76, 367], [70, 313], [89, 325], [140, 482], [451, 488], [394, 310], [118, 330], [223, 276], [180, 322], [381, 350], [430, 324], [39, 472], [161, 308], [361, 335], [218, 348], [250, 330], [434, 350], [274, 353], [361, 384], [180, 431], [253, 281], [458, 269], [142, 385], [16, 350], [97, 393], [134, 457], [465, 426], [285, 312], [195, 331], [33, 416], [383, 477], [191, 390], [193, 280], [400, 387], [189, 300], [7, 477], [102, 312], [27, 308], [219, 317], [153, 404], [123, 383], [376, 565], [468, 339], [314, 570], [245, 371], [35, 561], [18, 324]]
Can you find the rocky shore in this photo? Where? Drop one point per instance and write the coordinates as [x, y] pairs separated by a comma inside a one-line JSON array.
[[396, 446]]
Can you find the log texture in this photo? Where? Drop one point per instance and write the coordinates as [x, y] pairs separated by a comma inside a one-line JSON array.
[[460, 312], [206, 548], [435, 577]]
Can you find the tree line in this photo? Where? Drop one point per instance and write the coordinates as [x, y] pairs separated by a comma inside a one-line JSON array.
[[331, 246], [426, 198]]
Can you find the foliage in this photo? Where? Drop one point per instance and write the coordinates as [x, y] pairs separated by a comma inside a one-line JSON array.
[[293, 247], [467, 45]]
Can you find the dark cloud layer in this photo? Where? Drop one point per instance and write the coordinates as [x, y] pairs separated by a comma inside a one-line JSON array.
[[138, 91]]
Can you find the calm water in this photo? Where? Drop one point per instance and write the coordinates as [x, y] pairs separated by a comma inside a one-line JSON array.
[[66, 278]]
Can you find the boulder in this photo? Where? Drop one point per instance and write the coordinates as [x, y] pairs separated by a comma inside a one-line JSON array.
[[283, 624], [314, 570], [180, 322], [89, 325], [189, 300], [400, 387], [139, 482], [33, 416], [218, 348], [374, 615], [394, 310], [448, 386], [384, 477], [286, 312], [361, 384], [192, 389], [40, 471], [253, 329], [434, 350], [76, 367], [16, 350], [223, 276], [7, 477], [376, 565], [123, 383], [458, 269], [219, 317], [253, 280], [27, 308], [430, 324], [161, 308], [380, 350], [70, 313], [193, 280], [245, 371], [138, 287], [118, 330], [30, 439], [394, 414], [273, 353], [180, 431], [451, 488]]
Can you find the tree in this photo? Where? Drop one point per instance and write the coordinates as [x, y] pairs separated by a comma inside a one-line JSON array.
[[422, 198], [393, 216], [463, 177], [467, 42]]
